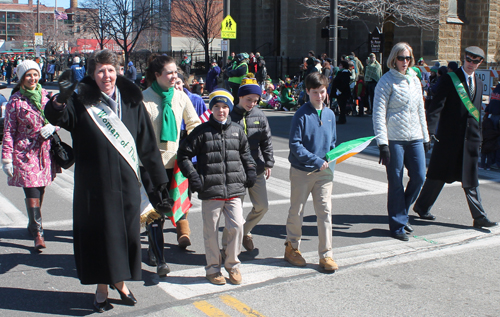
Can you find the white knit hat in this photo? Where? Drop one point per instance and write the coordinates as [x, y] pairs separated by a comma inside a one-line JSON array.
[[25, 66]]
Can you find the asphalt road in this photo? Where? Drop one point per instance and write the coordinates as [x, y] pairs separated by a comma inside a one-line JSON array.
[[446, 269]]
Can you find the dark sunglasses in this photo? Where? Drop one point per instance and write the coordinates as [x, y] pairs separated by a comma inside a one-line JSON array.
[[402, 58], [474, 61]]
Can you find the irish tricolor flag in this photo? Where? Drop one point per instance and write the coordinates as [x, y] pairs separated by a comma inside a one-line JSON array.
[[179, 193], [347, 149]]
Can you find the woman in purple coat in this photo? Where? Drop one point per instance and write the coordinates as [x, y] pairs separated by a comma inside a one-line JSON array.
[[26, 145]]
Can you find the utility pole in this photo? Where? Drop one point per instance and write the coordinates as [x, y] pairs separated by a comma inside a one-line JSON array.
[[333, 30], [227, 9]]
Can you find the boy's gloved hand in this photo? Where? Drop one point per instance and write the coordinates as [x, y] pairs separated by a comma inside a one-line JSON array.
[[385, 155], [251, 178], [166, 203], [195, 182]]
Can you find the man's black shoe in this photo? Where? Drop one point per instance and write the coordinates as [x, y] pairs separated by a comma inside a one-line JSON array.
[[427, 216], [484, 222], [408, 228], [401, 236]]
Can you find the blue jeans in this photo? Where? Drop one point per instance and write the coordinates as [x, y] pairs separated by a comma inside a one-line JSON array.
[[409, 154]]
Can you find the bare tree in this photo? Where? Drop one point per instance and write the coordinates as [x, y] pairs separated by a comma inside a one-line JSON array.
[[96, 20], [420, 13], [423, 14], [198, 19], [126, 20], [53, 39]]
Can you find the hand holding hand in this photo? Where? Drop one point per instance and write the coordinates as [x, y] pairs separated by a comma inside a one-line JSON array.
[[47, 130], [8, 169], [385, 155], [66, 86]]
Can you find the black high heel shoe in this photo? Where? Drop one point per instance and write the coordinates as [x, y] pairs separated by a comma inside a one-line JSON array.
[[127, 299], [102, 307]]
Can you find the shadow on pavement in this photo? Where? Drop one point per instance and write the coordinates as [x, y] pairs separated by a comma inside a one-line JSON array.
[[46, 302]]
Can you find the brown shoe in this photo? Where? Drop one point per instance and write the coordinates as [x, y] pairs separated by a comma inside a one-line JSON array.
[[328, 264], [234, 276], [39, 242], [248, 243], [216, 278], [183, 233], [293, 256]]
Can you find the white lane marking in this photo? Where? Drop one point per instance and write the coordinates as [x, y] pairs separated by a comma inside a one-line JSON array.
[[192, 283], [10, 215], [64, 183]]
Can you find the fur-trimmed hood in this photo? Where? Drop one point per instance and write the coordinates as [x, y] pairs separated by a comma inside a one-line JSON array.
[[89, 93]]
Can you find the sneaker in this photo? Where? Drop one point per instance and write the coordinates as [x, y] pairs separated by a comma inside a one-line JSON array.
[[248, 243], [216, 278], [328, 264], [293, 256], [234, 276]]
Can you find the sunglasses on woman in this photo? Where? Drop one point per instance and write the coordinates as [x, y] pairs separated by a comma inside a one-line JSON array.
[[402, 58], [474, 61]]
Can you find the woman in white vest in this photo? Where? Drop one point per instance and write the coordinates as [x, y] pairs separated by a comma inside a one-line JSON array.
[[401, 132], [111, 131]]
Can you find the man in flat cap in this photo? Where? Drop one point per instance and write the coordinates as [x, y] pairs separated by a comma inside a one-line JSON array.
[[457, 107]]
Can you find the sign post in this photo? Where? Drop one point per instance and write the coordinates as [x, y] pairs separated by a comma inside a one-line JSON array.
[[38, 43]]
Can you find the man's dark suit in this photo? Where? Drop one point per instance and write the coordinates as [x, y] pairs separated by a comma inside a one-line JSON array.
[[455, 157]]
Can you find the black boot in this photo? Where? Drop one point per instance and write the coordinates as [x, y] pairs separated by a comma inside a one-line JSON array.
[[155, 235], [35, 222]]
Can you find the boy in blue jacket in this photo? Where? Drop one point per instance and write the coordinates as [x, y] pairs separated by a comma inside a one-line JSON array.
[[312, 135]]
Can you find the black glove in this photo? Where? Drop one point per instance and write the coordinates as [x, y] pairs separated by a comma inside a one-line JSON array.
[[195, 182], [251, 178], [66, 86], [166, 203], [385, 155], [427, 147]]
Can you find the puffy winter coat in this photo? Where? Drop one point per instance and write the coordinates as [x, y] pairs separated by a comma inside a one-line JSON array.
[[224, 159], [398, 108], [257, 129], [24, 147]]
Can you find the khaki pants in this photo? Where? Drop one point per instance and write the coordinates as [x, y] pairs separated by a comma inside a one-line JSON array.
[[258, 197], [320, 185], [233, 214]]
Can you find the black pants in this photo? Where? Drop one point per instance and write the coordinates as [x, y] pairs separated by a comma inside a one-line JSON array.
[[343, 109], [371, 94], [34, 192], [431, 190]]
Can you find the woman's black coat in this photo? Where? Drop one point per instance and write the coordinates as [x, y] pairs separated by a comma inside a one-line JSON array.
[[106, 204]]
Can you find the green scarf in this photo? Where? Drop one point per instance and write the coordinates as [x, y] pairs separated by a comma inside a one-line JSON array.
[[35, 96], [168, 131]]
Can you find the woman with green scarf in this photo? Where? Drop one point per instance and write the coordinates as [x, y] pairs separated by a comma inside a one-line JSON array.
[[26, 145], [167, 108]]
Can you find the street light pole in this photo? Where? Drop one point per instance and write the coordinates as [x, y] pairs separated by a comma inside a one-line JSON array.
[[227, 8], [333, 30]]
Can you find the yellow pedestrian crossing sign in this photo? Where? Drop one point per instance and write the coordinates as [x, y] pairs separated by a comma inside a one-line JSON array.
[[228, 30]]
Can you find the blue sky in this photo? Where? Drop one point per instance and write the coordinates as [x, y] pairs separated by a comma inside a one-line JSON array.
[[50, 3]]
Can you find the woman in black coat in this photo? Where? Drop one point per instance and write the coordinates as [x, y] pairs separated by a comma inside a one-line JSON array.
[[106, 205]]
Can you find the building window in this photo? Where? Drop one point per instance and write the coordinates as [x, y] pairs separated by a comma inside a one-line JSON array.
[[78, 29], [456, 12], [78, 18]]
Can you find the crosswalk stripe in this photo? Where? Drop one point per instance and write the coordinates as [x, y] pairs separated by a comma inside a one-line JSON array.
[[209, 310], [191, 283], [10, 215], [239, 306]]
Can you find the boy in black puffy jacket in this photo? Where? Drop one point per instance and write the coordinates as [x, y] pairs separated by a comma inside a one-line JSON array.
[[224, 170]]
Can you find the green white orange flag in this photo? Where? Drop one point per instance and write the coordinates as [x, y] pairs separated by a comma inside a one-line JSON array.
[[347, 149], [179, 193]]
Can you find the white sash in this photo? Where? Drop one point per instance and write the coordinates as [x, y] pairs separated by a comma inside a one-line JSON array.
[[116, 132]]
